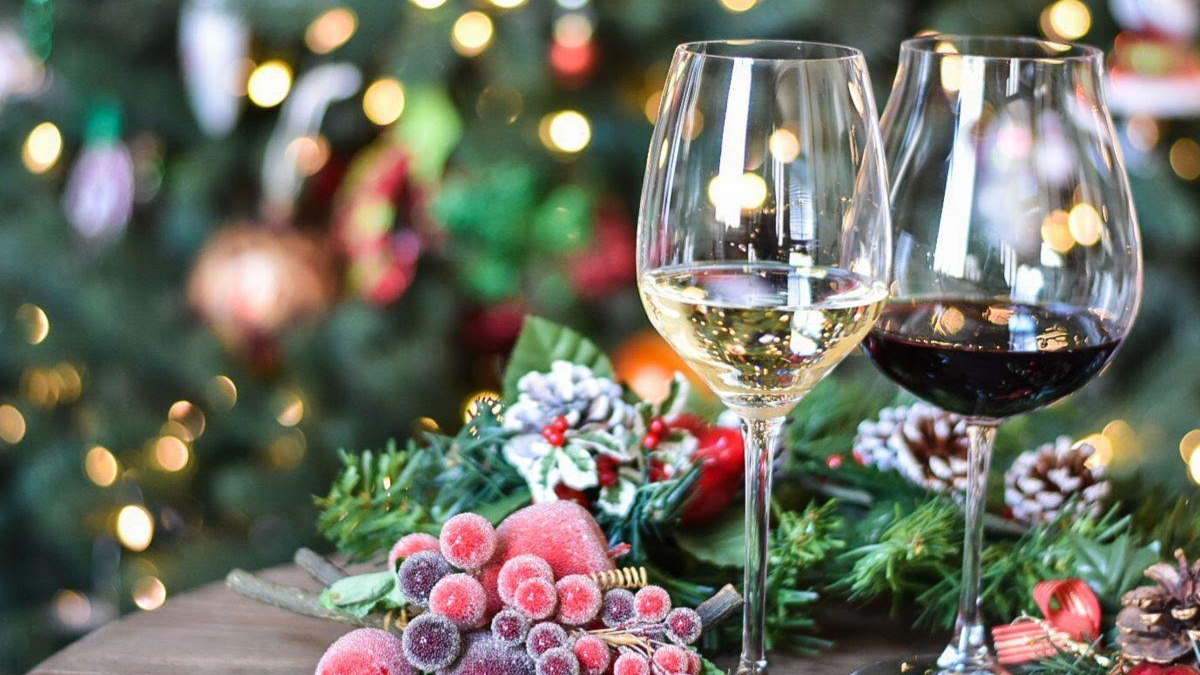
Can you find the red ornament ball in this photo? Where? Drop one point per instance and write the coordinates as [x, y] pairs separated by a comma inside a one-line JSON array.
[[518, 569], [672, 659], [652, 604], [631, 664], [366, 650], [468, 541], [557, 661], [579, 599], [721, 455], [410, 544], [593, 654], [460, 598], [536, 598]]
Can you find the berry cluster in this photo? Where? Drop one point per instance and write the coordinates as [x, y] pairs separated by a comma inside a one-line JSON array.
[[555, 433]]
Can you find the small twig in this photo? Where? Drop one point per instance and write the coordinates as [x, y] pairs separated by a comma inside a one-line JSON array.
[[318, 566], [305, 603], [719, 607]]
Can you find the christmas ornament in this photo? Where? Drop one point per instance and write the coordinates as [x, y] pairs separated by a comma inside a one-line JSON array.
[[98, 199], [1154, 66], [720, 453], [646, 363], [608, 262], [214, 41], [928, 446], [1161, 623], [1053, 480], [1072, 623]]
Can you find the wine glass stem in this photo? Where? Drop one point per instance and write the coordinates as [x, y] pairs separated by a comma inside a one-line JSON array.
[[760, 439], [969, 651]]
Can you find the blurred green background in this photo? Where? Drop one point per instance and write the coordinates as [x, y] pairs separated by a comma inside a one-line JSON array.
[[238, 235]]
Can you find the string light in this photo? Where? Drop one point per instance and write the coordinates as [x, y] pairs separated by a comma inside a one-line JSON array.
[[1056, 232], [1189, 444], [73, 609], [170, 453], [291, 411], [1085, 224], [428, 4], [472, 33], [383, 102], [1066, 20], [135, 527], [42, 148], [149, 593], [189, 417], [35, 321], [331, 30], [784, 145], [508, 4], [738, 6], [565, 131], [748, 191], [1185, 159], [309, 153], [222, 392], [12, 424], [269, 83], [101, 466]]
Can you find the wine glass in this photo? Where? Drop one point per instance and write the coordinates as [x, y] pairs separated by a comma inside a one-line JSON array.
[[763, 240], [1017, 261]]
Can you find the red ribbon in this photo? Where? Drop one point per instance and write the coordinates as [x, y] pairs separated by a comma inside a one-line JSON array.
[[1072, 623]]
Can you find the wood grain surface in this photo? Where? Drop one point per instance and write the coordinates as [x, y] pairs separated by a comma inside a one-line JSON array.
[[212, 631]]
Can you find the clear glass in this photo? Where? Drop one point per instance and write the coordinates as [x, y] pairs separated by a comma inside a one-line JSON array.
[[763, 240], [1017, 263]]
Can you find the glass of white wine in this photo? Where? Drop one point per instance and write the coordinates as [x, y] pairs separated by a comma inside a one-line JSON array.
[[764, 240]]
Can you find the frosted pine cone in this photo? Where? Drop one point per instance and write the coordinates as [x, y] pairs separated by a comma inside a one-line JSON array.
[[1055, 480], [925, 444], [572, 391]]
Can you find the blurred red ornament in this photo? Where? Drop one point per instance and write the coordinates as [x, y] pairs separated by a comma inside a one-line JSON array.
[[608, 263], [834, 461], [493, 329], [573, 63], [1072, 613], [647, 364], [721, 456]]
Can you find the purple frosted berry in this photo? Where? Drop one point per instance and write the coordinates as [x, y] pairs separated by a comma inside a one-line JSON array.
[[431, 642], [419, 573], [510, 627], [618, 608], [545, 636], [485, 655], [558, 661], [683, 626]]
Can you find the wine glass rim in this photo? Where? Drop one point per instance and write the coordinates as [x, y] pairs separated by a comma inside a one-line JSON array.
[[726, 49], [1056, 51]]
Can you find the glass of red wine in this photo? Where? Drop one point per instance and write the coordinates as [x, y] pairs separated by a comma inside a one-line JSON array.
[[1017, 264]]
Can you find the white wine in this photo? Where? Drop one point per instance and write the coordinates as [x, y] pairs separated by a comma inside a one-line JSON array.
[[761, 334]]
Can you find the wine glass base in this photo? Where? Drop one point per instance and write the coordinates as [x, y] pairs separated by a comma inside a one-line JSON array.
[[926, 664]]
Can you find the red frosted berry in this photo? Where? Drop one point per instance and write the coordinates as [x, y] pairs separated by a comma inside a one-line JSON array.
[[535, 598], [418, 573], [542, 528], [650, 441], [410, 544], [366, 650], [618, 608], [431, 642], [460, 598], [652, 604], [631, 664], [558, 661], [554, 436], [834, 461], [579, 599], [695, 663], [1147, 668], [489, 577], [485, 655], [683, 625], [468, 541], [593, 654], [658, 427], [672, 659], [545, 636], [518, 569], [510, 627], [560, 424]]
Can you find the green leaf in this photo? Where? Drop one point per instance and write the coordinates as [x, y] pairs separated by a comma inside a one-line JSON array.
[[721, 542], [1114, 568], [359, 589], [543, 342]]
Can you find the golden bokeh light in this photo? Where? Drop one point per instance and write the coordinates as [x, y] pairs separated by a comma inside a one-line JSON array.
[[1189, 444], [477, 401], [291, 410], [190, 417], [428, 4], [287, 451], [269, 83], [1085, 224], [135, 527], [738, 6], [171, 454], [565, 131], [1143, 132], [1066, 20], [573, 30], [784, 145], [1103, 447], [222, 392], [149, 593], [12, 424], [749, 191], [309, 153], [42, 148], [1185, 159], [331, 30], [1194, 468], [472, 33], [383, 102], [653, 103], [35, 323], [508, 4], [101, 466], [1056, 231], [72, 609]]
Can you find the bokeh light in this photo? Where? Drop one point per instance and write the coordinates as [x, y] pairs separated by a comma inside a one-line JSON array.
[[428, 4], [331, 30], [1056, 231], [1085, 224], [190, 417], [1189, 444], [222, 392], [472, 33], [12, 424], [170, 453], [135, 527], [35, 323], [950, 70], [149, 593], [72, 609], [42, 148], [1066, 20], [784, 145], [101, 466], [508, 4], [565, 131], [269, 83], [748, 191], [309, 153], [291, 410], [573, 30], [738, 6], [1194, 468], [383, 102], [1185, 159], [1143, 132], [478, 400], [1103, 448], [287, 451]]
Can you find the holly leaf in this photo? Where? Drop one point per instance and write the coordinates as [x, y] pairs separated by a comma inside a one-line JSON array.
[[543, 342], [1113, 569], [721, 542]]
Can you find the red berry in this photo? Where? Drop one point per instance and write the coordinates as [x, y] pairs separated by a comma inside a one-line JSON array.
[[535, 598], [695, 664], [672, 659], [557, 661], [510, 627], [860, 457], [658, 427], [834, 461], [410, 544], [545, 636], [652, 604], [650, 442], [468, 541], [618, 608], [560, 424], [431, 642], [683, 626], [366, 650], [518, 569], [460, 598], [593, 654], [691, 424], [579, 599], [631, 664]]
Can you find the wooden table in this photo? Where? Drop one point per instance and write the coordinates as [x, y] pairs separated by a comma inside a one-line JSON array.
[[213, 631]]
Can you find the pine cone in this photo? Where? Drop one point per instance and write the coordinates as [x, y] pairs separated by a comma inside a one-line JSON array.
[[572, 391], [1055, 480], [925, 444], [1161, 623]]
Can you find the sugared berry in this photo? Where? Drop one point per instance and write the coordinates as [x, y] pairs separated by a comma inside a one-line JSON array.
[[510, 627], [460, 598], [618, 608], [683, 625], [485, 655], [672, 659], [410, 544], [535, 598], [558, 661], [695, 663], [631, 664], [593, 654], [418, 573], [545, 636], [366, 650], [468, 541], [652, 603], [579, 599], [519, 569], [544, 529], [431, 642], [488, 576]]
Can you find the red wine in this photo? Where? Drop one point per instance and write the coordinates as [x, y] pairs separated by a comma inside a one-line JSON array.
[[989, 359]]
